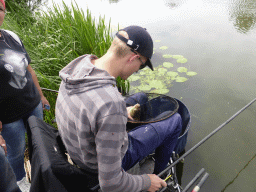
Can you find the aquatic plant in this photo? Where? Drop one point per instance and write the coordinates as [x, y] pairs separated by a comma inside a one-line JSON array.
[[163, 47], [161, 79], [167, 56], [182, 69], [191, 73], [167, 64]]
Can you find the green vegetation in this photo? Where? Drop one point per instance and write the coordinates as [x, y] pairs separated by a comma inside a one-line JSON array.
[[164, 47], [56, 37], [161, 79], [21, 5]]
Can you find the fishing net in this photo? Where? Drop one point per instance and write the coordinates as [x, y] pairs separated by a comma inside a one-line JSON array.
[[149, 108]]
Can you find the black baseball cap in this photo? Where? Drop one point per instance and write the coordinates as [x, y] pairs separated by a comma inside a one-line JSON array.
[[139, 41]]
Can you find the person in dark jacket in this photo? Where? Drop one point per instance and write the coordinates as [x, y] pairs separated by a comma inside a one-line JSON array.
[[20, 97]]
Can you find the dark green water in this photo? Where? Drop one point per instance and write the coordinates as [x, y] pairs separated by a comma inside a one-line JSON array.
[[218, 37]]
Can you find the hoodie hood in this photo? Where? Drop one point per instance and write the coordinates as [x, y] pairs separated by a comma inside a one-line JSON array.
[[81, 75]]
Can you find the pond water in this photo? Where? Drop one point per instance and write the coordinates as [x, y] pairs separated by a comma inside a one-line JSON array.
[[218, 39]]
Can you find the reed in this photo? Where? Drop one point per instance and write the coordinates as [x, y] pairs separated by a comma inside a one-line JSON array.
[[58, 36]]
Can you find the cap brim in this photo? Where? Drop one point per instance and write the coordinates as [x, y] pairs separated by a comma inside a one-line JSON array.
[[149, 64]]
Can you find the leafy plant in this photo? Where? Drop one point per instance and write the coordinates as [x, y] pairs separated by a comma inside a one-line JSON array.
[[56, 38], [123, 85], [160, 80]]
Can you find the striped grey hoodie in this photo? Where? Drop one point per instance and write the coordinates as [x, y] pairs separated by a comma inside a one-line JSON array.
[[91, 116]]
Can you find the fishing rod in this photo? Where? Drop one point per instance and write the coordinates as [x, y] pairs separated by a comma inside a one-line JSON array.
[[206, 138], [193, 180], [201, 182]]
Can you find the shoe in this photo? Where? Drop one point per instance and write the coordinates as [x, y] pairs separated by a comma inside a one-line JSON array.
[[24, 185]]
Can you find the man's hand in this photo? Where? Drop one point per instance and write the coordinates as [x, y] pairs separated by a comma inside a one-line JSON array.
[[44, 102], [156, 183], [2, 141]]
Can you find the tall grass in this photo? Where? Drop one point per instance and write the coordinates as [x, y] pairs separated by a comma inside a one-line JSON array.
[[57, 37]]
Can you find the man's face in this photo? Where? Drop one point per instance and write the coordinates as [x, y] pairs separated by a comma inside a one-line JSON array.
[[2, 13], [134, 67]]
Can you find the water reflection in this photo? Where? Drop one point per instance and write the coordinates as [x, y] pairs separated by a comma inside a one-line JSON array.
[[243, 14], [232, 181], [173, 3]]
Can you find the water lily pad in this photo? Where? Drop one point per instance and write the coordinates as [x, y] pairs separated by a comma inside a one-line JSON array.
[[156, 84], [172, 74], [145, 87], [163, 91], [191, 73], [182, 60], [167, 64], [161, 79], [157, 41], [153, 91], [134, 78], [181, 79], [162, 71], [182, 69], [146, 69], [150, 72], [167, 56], [177, 56], [163, 47]]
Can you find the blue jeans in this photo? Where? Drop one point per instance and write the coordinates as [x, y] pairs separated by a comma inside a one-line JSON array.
[[160, 137], [14, 136], [8, 181]]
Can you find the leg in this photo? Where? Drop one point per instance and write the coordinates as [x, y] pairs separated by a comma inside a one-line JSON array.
[[161, 136], [8, 181], [169, 140], [14, 136]]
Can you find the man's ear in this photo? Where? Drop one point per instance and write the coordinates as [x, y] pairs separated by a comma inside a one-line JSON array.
[[133, 57]]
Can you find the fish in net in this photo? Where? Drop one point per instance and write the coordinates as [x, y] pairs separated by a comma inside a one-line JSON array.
[[149, 108]]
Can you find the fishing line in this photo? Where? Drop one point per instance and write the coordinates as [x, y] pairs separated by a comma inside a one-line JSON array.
[[206, 138]]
